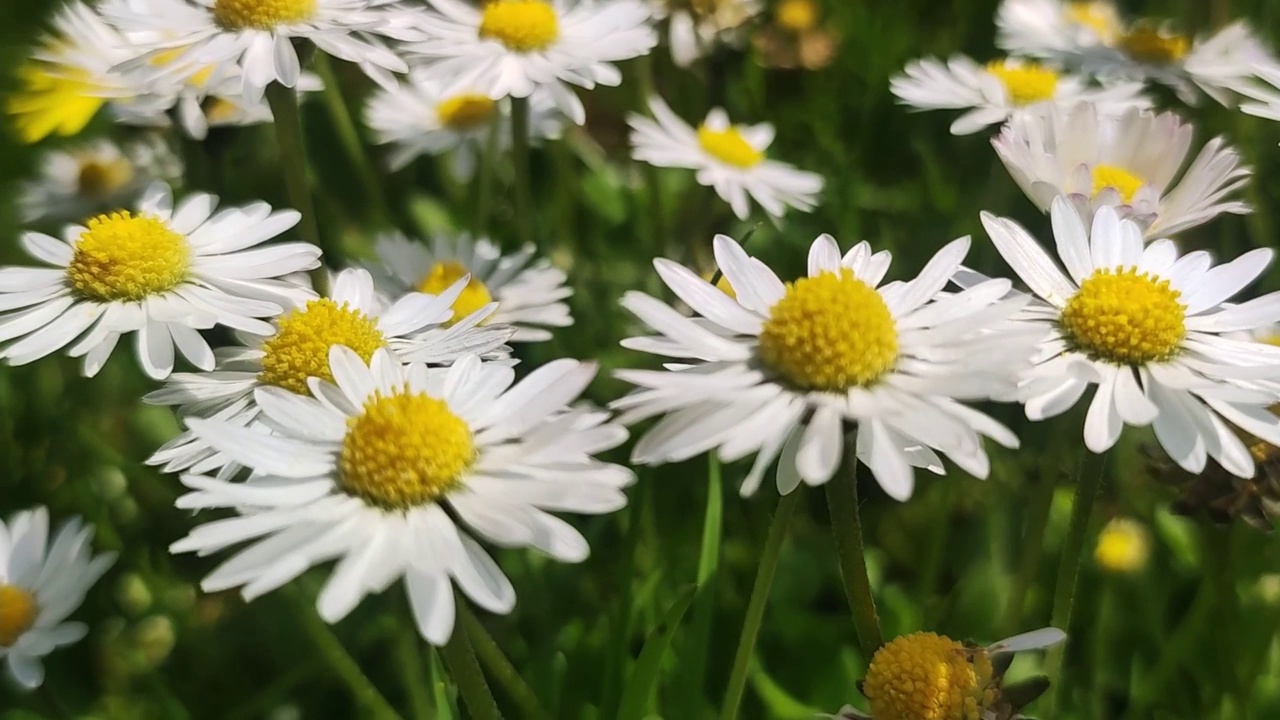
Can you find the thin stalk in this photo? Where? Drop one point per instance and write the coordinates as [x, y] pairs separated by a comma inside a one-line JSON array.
[[846, 526], [698, 637], [460, 658], [293, 157], [413, 672], [500, 668], [1087, 486], [347, 669], [349, 137], [520, 160], [1037, 522], [755, 606]]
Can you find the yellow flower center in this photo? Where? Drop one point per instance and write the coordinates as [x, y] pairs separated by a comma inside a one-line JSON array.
[[796, 16], [100, 180], [443, 275], [17, 613], [1110, 176], [521, 25], [465, 112], [53, 99], [1122, 546], [220, 110], [1026, 83], [1147, 44], [300, 347], [923, 676], [1099, 16], [830, 332], [404, 450], [729, 147], [126, 257], [1124, 317], [261, 14]]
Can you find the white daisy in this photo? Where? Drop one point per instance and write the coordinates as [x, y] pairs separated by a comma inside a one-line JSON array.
[[41, 584], [163, 273], [1058, 31], [353, 315], [392, 469], [994, 92], [730, 158], [80, 181], [530, 293], [787, 368], [254, 38], [696, 29], [513, 47], [420, 118], [1146, 326], [1127, 162]]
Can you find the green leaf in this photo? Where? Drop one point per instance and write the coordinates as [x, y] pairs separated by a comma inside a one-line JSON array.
[[635, 699]]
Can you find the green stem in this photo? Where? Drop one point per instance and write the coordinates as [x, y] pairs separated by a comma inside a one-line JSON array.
[[520, 159], [1037, 522], [465, 671], [755, 606], [331, 649], [1087, 486], [698, 637], [846, 526], [349, 137], [500, 668], [413, 672], [288, 123]]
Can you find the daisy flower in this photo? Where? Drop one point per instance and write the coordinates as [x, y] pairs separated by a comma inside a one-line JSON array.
[[254, 38], [79, 181], [530, 293], [695, 29], [786, 369], [163, 273], [1127, 161], [353, 315], [513, 47], [41, 583], [420, 118], [1146, 327], [391, 469], [994, 92], [1060, 32], [730, 158]]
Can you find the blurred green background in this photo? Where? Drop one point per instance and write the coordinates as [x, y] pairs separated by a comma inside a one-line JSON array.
[[1192, 634]]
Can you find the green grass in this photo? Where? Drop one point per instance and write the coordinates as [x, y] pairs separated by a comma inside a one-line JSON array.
[[1192, 635]]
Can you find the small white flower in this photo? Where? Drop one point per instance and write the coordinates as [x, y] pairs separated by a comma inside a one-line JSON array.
[[1147, 327], [41, 584], [1058, 31], [787, 369], [994, 92], [163, 273], [420, 118], [1128, 162], [729, 158], [94, 177], [513, 47], [353, 315], [393, 468], [695, 30], [530, 293]]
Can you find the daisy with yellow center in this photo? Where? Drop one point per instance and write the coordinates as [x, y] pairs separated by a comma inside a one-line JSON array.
[[84, 180], [697, 28], [511, 48], [1132, 162], [392, 469], [1060, 32], [417, 327], [1146, 327], [729, 158], [785, 370], [995, 92], [530, 292], [162, 272], [42, 581]]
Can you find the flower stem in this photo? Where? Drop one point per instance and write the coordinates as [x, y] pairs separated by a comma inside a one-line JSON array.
[[500, 667], [698, 637], [465, 671], [846, 527], [288, 123], [755, 606], [331, 649], [349, 136], [413, 672], [520, 159]]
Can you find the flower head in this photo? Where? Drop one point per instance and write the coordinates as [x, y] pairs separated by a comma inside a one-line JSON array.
[[94, 177]]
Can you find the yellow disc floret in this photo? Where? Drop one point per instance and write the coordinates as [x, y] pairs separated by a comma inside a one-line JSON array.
[[1149, 44], [261, 14], [17, 613], [100, 179], [796, 16], [404, 450], [1125, 317], [1025, 82], [443, 275], [923, 676], [300, 347], [1100, 16], [1122, 547], [521, 25], [126, 257], [830, 332], [729, 147], [467, 111], [1111, 176]]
